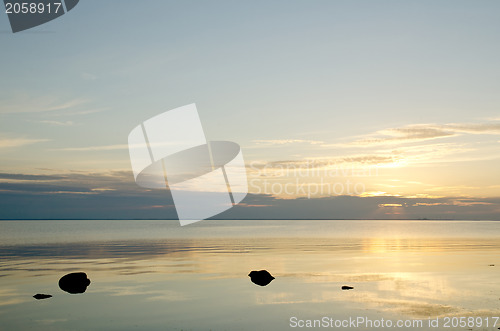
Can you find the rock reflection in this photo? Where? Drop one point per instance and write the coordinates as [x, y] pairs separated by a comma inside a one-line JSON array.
[[74, 283]]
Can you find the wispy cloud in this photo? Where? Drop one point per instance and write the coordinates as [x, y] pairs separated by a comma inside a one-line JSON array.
[[314, 163], [457, 202], [64, 105], [22, 103], [94, 148], [410, 133], [398, 136], [29, 177], [109, 147], [400, 156], [77, 112], [59, 123], [287, 142], [475, 128], [18, 142], [427, 153], [71, 183], [420, 132]]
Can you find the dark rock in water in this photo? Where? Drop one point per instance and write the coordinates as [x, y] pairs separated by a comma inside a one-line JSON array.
[[42, 296], [345, 287], [74, 283], [262, 277]]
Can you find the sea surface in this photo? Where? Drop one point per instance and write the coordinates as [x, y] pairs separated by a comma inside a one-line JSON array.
[[157, 275]]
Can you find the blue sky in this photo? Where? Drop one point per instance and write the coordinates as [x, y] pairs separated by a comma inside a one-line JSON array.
[[410, 88]]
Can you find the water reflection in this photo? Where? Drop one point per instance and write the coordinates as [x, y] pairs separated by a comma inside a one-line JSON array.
[[201, 283]]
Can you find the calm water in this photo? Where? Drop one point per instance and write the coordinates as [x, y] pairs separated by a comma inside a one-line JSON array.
[[156, 275]]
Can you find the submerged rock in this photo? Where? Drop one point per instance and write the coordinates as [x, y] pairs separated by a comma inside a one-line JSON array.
[[345, 287], [262, 277], [74, 283], [42, 296]]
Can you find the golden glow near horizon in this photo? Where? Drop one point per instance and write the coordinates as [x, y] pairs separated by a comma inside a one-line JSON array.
[[412, 161], [406, 167]]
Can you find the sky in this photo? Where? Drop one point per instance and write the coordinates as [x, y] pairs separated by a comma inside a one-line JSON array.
[[343, 109]]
